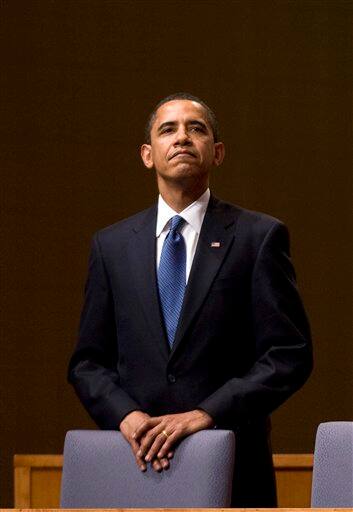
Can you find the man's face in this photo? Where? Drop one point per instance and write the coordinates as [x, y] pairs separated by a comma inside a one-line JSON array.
[[182, 146]]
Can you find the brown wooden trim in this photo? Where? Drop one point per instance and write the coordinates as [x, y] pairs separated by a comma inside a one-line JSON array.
[[38, 461], [293, 461], [280, 460], [22, 487]]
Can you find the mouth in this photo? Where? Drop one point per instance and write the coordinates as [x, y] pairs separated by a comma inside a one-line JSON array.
[[181, 153]]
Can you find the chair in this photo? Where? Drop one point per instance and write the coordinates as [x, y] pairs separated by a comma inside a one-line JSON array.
[[100, 471], [333, 465]]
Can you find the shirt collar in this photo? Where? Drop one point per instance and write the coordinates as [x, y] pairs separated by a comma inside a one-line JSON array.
[[193, 214]]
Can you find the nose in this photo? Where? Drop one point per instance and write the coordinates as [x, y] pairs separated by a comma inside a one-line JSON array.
[[182, 137]]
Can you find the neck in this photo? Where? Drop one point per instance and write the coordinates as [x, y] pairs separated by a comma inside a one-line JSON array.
[[179, 199]]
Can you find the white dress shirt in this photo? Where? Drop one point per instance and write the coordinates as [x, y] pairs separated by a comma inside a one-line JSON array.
[[193, 216]]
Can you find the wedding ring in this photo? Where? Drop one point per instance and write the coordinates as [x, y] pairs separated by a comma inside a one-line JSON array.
[[165, 433]]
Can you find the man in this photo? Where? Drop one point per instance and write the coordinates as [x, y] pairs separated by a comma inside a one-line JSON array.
[[192, 319]]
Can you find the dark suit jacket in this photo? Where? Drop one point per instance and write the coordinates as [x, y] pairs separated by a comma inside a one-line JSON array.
[[242, 345]]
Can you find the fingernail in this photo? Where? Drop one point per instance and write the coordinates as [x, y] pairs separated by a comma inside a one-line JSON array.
[[134, 435], [147, 458], [139, 453], [143, 468], [159, 455]]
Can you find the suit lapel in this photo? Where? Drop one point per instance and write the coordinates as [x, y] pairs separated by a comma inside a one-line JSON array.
[[143, 260], [215, 239]]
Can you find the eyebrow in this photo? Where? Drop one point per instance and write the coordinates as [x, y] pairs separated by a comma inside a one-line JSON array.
[[171, 124]]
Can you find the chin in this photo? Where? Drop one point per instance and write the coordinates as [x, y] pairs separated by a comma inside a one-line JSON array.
[[185, 169], [183, 173]]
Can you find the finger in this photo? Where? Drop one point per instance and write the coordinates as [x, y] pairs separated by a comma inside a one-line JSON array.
[[145, 426], [141, 464], [139, 461], [165, 463], [168, 444], [156, 465], [157, 444], [148, 439]]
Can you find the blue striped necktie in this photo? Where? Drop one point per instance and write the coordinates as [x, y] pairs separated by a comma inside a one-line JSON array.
[[172, 276]]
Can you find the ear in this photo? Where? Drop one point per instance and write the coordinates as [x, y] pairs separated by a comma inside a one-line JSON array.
[[219, 152], [146, 155]]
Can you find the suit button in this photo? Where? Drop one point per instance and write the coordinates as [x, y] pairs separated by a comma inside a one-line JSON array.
[[171, 378]]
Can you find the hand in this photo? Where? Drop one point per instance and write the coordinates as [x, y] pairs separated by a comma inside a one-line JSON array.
[[158, 435], [128, 426]]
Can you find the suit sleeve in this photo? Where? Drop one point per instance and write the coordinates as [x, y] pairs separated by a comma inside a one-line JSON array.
[[93, 365], [283, 351]]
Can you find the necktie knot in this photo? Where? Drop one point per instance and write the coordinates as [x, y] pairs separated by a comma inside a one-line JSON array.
[[176, 223]]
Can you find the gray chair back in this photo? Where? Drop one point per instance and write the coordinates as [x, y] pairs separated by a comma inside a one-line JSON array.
[[100, 472], [333, 465]]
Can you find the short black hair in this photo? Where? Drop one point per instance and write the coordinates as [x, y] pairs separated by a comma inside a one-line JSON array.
[[182, 96]]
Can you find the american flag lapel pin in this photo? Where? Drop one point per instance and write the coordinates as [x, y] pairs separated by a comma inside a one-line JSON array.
[[215, 244]]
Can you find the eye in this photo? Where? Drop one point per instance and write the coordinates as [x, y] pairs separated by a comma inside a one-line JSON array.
[[198, 129]]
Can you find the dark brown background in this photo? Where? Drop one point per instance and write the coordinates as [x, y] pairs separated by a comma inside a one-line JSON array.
[[78, 80]]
